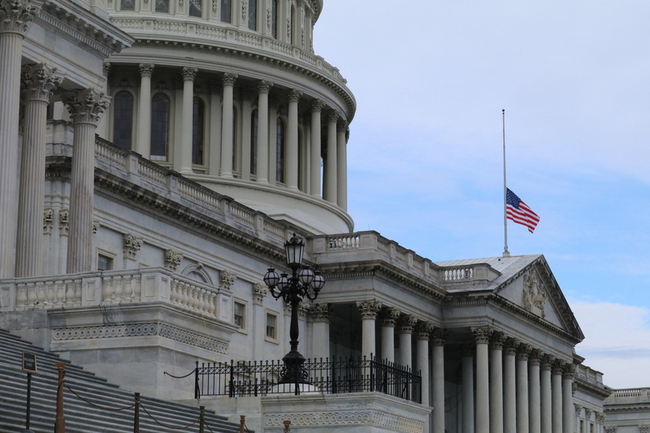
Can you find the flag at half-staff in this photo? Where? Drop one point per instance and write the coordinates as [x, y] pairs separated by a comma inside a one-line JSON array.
[[519, 212]]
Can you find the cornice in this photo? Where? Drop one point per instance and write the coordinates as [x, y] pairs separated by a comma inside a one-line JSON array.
[[600, 392]]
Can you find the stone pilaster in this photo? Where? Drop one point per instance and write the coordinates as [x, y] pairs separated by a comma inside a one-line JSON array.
[[38, 82], [85, 108], [320, 314]]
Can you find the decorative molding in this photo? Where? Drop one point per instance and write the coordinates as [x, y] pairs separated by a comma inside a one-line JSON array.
[[534, 294], [96, 226], [132, 245], [64, 222], [48, 221], [578, 409], [373, 418], [173, 258]]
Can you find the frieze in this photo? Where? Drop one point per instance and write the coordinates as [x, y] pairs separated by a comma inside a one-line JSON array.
[[534, 294], [373, 418]]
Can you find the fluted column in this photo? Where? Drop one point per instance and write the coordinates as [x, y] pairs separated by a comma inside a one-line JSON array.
[[406, 325], [85, 108], [292, 140], [568, 417], [545, 391], [468, 389], [227, 133], [263, 89], [496, 382], [534, 392], [143, 143], [510, 386], [342, 166], [388, 320], [482, 336], [368, 310], [315, 154], [16, 17], [522, 388], [214, 140], [556, 391], [38, 82], [331, 160], [438, 380], [423, 330], [185, 150], [320, 314]]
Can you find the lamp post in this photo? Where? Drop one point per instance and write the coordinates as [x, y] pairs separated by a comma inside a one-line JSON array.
[[302, 283]]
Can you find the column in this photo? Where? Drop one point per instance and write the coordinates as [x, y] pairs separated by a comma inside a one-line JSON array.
[[406, 324], [342, 166], [263, 89], [315, 155], [468, 389], [143, 142], [424, 330], [556, 396], [292, 140], [522, 388], [258, 319], [546, 403], [438, 380], [368, 310], [16, 17], [389, 318], [185, 150], [509, 386], [227, 132], [482, 336], [102, 126], [331, 159], [38, 82], [246, 134], [534, 393], [214, 154], [85, 108], [496, 382], [568, 417], [320, 314]]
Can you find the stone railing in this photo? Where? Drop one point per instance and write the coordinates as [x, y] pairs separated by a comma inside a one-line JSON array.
[[630, 395], [115, 288]]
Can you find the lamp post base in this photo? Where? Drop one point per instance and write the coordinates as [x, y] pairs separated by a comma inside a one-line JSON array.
[[293, 371]]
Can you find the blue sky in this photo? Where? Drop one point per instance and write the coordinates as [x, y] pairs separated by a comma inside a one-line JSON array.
[[425, 152]]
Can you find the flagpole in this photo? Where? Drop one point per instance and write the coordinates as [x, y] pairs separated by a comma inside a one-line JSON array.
[[506, 253]]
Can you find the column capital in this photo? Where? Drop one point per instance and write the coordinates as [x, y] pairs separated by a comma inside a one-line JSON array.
[[498, 340], [264, 86], [578, 408], [482, 334], [333, 116], [568, 371], [226, 279], [106, 68], [342, 125], [320, 313], [369, 309], [146, 69], [16, 15], [259, 292], [38, 81], [547, 362], [228, 79], [424, 330], [588, 413], [535, 356], [439, 336], [188, 73], [132, 244], [407, 323], [294, 95], [558, 367], [317, 106], [85, 105], [523, 351], [173, 258], [610, 429], [600, 417], [389, 316], [511, 346]]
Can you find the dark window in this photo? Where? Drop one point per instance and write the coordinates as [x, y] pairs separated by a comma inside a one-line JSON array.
[[162, 6], [252, 14], [293, 25], [127, 5], [160, 105], [195, 8], [225, 11], [274, 18], [198, 119], [279, 151], [254, 142], [104, 263], [123, 119]]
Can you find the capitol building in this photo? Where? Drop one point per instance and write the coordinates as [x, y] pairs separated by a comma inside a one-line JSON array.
[[158, 156]]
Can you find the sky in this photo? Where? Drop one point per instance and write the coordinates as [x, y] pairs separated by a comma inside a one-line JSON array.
[[425, 154]]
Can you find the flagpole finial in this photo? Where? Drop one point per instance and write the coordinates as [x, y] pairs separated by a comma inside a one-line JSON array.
[[506, 253]]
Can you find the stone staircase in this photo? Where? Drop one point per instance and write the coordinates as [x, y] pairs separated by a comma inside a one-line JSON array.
[[80, 416]]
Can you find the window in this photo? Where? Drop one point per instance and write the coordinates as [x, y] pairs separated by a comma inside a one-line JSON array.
[[252, 14], [127, 5], [274, 18], [162, 6], [254, 142], [279, 151], [271, 326], [123, 119], [198, 119], [225, 11], [240, 315], [104, 262], [159, 126], [293, 25], [196, 8]]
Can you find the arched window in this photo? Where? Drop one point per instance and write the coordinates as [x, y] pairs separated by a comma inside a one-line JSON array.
[[252, 14], [196, 8], [127, 5], [254, 142], [160, 108], [274, 18], [123, 119], [162, 6], [226, 11], [198, 122], [279, 151]]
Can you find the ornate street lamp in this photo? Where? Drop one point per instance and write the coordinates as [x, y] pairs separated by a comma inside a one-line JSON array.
[[302, 283]]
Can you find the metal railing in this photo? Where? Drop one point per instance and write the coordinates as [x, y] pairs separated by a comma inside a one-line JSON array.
[[324, 376]]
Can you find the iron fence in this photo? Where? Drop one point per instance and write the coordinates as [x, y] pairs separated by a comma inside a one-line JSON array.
[[324, 376]]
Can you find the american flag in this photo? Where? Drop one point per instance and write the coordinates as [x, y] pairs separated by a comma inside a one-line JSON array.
[[519, 212]]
